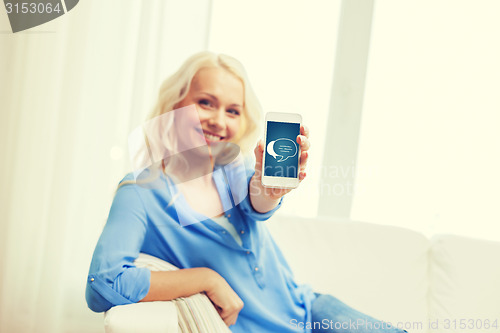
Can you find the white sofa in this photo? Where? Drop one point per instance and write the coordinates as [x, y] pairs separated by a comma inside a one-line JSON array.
[[443, 284]]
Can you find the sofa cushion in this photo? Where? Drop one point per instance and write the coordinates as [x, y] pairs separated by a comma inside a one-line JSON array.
[[379, 270], [465, 279]]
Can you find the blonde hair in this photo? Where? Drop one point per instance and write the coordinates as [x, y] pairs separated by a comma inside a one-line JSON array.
[[175, 88]]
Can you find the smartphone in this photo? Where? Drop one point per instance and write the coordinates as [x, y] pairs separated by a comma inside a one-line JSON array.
[[280, 165]]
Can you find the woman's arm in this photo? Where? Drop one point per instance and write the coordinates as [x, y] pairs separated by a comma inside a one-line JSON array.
[[169, 285], [166, 286], [113, 279], [261, 201]]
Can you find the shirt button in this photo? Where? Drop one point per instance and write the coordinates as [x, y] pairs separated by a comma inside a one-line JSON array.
[[92, 280], [223, 231], [248, 252], [242, 231], [228, 215], [256, 269]]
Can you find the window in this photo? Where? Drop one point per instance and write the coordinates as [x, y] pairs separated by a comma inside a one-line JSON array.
[[431, 118], [288, 49]]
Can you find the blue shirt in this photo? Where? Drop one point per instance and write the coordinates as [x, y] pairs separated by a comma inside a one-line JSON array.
[[158, 221]]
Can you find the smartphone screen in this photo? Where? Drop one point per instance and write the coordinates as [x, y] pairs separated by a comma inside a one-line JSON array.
[[282, 150]]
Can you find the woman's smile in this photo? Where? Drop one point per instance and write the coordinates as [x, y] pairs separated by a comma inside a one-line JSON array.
[[210, 137], [219, 98]]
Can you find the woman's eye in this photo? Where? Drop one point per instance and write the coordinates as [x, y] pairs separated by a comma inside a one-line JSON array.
[[205, 102], [234, 112]]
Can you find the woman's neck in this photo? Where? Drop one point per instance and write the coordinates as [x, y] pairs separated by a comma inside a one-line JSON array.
[[191, 165]]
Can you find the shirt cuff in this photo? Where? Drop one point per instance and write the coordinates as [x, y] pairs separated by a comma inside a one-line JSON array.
[[247, 208], [129, 287]]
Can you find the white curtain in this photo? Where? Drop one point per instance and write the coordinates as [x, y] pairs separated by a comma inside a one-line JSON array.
[[71, 91]]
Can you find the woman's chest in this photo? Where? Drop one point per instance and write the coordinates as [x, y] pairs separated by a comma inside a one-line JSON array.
[[204, 200]]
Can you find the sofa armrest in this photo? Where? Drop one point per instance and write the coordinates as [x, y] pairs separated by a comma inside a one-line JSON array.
[[142, 317]]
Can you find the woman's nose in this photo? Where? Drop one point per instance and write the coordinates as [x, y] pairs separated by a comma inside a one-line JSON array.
[[218, 119]]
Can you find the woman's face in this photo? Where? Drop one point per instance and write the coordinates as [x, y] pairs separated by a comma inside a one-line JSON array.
[[219, 99]]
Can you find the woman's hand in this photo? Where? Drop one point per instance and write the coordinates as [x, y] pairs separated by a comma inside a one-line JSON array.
[[226, 301], [264, 199]]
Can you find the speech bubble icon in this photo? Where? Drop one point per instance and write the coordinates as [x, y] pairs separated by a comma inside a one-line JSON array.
[[282, 149]]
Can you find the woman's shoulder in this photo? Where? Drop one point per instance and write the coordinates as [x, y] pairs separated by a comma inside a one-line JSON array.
[[150, 185], [148, 178], [128, 177], [128, 181]]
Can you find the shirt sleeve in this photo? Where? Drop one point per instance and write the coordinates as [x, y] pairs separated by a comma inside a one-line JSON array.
[[246, 206], [113, 278]]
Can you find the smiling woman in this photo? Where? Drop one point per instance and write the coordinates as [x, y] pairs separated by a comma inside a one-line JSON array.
[[198, 72], [219, 99], [214, 110], [203, 216]]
